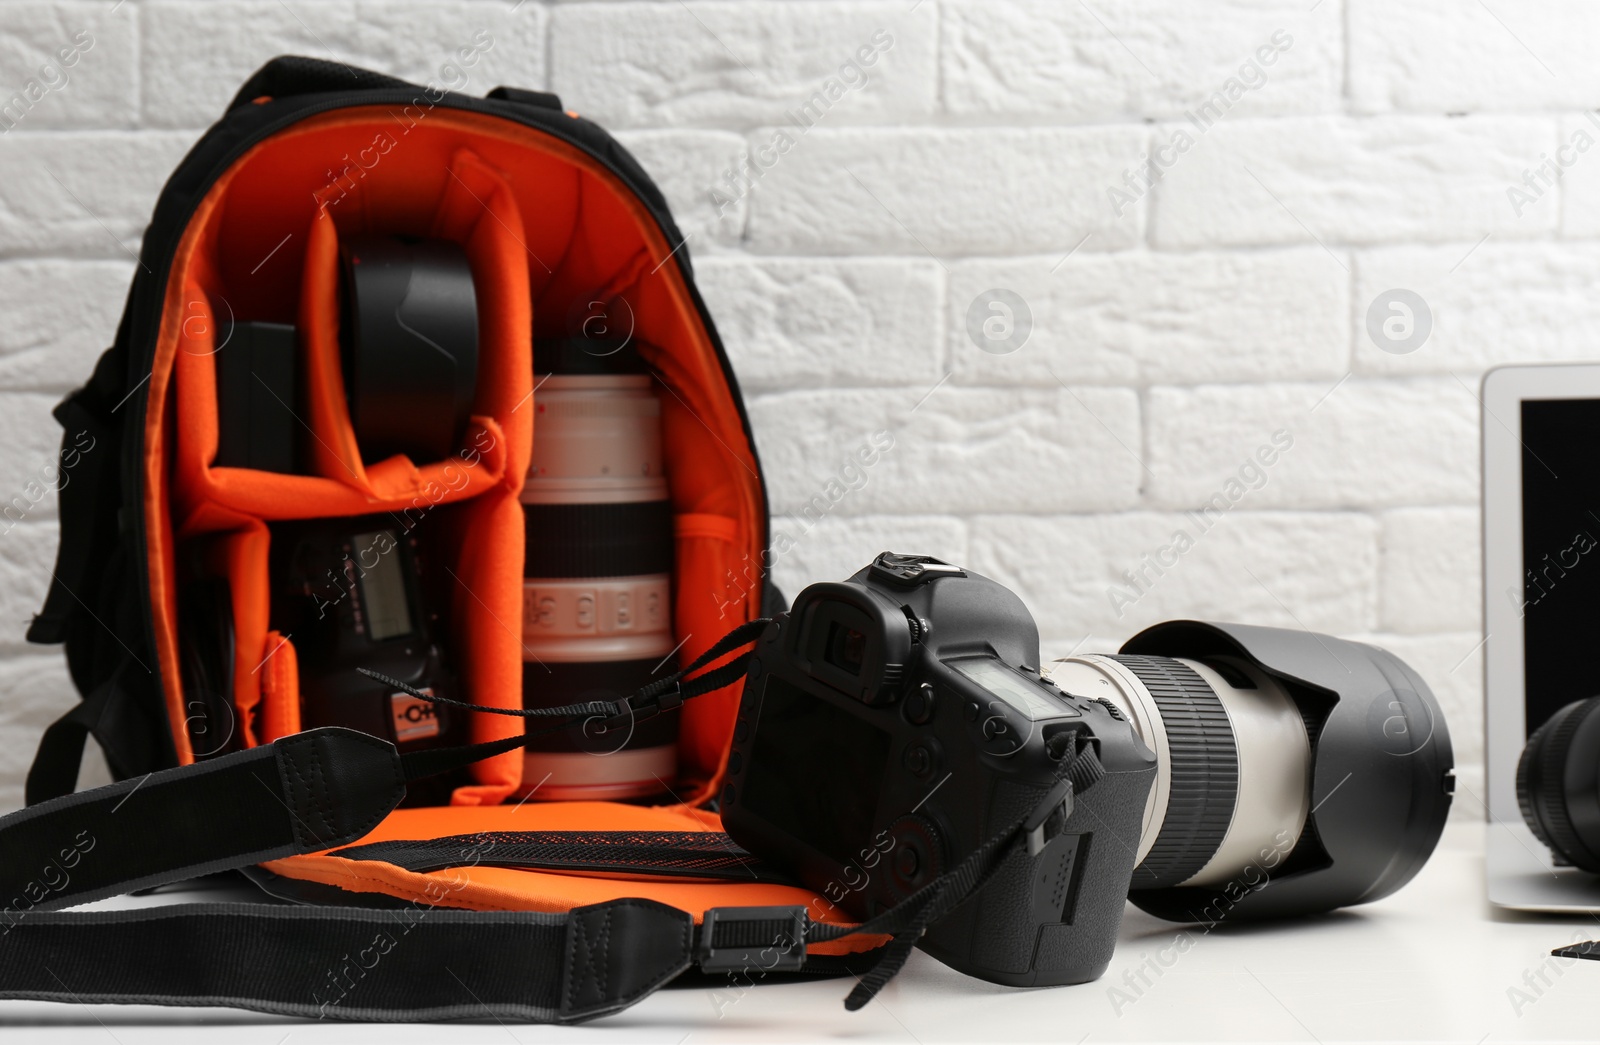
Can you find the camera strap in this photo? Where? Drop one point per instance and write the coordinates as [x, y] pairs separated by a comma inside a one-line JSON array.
[[665, 694]]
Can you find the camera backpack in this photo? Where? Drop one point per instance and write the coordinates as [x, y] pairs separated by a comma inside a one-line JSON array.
[[546, 911]]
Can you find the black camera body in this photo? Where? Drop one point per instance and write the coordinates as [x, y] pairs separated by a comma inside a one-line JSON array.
[[891, 725], [348, 593]]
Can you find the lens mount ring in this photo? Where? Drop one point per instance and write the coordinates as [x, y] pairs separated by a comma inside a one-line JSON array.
[[1203, 770]]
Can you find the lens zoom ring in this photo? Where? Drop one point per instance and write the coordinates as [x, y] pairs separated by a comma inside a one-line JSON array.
[[1540, 791], [630, 539], [1203, 771]]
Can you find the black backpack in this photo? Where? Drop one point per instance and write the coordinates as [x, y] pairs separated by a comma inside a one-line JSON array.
[[556, 218]]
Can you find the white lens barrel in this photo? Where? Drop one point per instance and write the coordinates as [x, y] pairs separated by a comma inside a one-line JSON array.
[[597, 440], [597, 618], [597, 587], [1245, 736]]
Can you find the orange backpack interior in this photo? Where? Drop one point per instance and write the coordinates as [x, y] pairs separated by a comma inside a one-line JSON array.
[[544, 226]]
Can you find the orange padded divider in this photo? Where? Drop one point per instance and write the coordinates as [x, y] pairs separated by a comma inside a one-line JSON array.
[[279, 672], [705, 612], [241, 557]]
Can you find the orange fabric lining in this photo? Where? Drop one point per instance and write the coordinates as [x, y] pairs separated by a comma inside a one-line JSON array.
[[263, 231], [482, 888]]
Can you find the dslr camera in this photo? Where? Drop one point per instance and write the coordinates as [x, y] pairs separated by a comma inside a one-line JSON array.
[[892, 724], [349, 594]]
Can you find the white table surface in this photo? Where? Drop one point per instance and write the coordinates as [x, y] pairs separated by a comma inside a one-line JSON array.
[[1432, 963]]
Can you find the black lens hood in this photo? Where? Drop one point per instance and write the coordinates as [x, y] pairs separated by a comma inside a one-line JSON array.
[[1381, 773], [408, 340]]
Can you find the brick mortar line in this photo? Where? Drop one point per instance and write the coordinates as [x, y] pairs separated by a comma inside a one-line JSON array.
[[1356, 513], [976, 123]]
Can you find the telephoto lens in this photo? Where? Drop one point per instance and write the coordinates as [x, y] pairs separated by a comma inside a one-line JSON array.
[[1558, 784], [1316, 765], [597, 587]]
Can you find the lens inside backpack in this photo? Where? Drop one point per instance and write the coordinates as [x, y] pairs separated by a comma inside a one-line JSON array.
[[597, 589]]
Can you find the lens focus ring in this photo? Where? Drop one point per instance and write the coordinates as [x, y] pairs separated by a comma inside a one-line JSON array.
[[1203, 769], [1541, 787]]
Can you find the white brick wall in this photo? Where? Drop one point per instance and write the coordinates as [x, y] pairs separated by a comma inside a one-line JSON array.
[[1173, 329]]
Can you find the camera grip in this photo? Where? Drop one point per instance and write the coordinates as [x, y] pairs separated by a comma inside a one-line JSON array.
[[1051, 917]]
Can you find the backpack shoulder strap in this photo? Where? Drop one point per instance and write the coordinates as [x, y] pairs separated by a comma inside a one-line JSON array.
[[416, 963], [304, 793], [298, 795], [91, 605]]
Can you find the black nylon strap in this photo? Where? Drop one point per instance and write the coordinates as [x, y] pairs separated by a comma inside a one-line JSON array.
[[55, 764], [304, 793], [88, 495], [123, 719], [417, 963]]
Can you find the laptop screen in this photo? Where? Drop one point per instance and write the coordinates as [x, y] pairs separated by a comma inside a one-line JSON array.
[[1559, 598]]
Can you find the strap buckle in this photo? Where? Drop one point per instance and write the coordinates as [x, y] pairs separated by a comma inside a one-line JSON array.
[[1033, 828], [654, 699], [745, 939]]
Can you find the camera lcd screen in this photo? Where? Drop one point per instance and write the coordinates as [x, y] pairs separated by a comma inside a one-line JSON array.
[[1559, 598], [1012, 688], [383, 586], [820, 771]]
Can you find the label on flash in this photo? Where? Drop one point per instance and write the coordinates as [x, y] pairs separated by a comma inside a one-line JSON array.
[[413, 719]]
